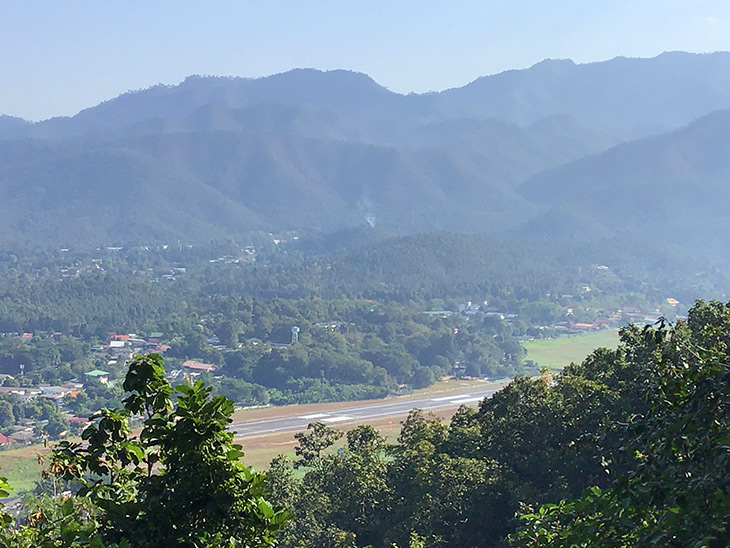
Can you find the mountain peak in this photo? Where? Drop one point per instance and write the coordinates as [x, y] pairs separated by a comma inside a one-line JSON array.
[[552, 63]]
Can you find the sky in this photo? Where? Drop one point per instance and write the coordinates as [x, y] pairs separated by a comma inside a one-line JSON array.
[[60, 57]]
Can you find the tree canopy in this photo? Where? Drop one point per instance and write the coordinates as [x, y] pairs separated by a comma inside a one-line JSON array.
[[178, 482]]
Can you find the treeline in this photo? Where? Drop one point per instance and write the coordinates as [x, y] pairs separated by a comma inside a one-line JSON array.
[[370, 264], [627, 449], [86, 306], [89, 293], [346, 349]]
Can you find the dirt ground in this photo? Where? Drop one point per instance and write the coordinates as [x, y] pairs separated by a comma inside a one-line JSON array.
[[259, 450]]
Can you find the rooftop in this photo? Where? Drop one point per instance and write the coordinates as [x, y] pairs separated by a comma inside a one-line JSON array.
[[198, 366]]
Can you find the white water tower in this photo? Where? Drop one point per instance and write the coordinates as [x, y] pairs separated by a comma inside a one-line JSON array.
[[294, 334]]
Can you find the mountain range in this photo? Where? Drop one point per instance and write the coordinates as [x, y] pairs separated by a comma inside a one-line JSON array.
[[560, 151]]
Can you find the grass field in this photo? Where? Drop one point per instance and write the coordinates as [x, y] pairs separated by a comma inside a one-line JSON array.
[[21, 466], [557, 353]]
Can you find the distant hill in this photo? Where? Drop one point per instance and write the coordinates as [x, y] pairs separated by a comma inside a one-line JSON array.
[[220, 103], [11, 126], [673, 186], [447, 263], [372, 264], [623, 97], [522, 154], [202, 185]]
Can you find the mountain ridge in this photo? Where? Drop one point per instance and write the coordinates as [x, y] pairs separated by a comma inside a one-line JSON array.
[[521, 96], [673, 183], [526, 154]]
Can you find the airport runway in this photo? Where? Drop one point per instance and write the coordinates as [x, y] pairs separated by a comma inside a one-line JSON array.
[[387, 408]]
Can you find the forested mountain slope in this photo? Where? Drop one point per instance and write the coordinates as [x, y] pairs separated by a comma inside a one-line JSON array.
[[627, 97], [520, 154], [673, 185], [204, 185]]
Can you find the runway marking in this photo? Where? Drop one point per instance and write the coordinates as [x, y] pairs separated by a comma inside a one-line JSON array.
[[466, 400], [416, 403], [339, 419], [393, 407], [313, 416]]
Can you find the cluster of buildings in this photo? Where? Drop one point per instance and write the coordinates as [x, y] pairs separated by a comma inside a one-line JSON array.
[[601, 319], [117, 350], [25, 431], [121, 347]]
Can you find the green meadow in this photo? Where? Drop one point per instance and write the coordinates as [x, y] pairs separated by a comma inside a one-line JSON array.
[[557, 353]]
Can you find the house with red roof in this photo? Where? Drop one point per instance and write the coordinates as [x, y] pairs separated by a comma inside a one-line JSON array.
[[5, 439]]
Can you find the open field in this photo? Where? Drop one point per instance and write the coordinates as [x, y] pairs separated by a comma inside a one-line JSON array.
[[557, 353], [259, 450], [21, 466]]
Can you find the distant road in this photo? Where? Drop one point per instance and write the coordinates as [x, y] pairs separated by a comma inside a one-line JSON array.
[[388, 408]]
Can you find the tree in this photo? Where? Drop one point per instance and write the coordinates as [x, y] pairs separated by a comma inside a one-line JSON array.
[[7, 417], [311, 445], [180, 481], [337, 502], [57, 425], [229, 332], [673, 490]]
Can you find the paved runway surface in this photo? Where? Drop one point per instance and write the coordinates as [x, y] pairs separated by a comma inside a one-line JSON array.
[[388, 408]]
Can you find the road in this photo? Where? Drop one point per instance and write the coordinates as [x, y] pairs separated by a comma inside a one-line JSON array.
[[387, 408]]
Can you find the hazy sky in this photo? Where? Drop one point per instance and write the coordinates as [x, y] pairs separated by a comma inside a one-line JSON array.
[[61, 56]]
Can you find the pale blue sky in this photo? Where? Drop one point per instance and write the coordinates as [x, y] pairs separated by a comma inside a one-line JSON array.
[[61, 56]]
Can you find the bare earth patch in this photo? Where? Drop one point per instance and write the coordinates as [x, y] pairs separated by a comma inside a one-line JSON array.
[[260, 449]]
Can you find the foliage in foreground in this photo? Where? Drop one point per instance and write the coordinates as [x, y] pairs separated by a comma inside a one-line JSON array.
[[676, 491], [628, 449], [178, 482]]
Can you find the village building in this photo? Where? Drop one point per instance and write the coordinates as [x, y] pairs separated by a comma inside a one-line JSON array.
[[98, 374], [4, 440], [198, 367]]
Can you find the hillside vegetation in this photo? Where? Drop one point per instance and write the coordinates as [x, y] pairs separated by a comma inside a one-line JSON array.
[[560, 151]]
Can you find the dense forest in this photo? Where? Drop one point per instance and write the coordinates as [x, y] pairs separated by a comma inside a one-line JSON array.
[[626, 449]]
